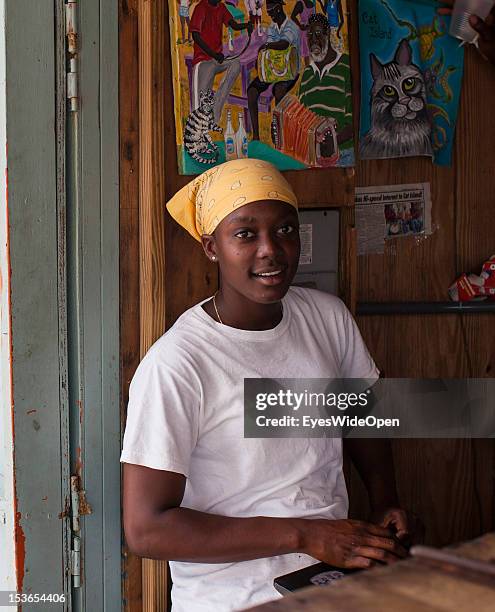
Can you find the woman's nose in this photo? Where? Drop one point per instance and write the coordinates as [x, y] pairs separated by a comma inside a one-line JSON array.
[[268, 246]]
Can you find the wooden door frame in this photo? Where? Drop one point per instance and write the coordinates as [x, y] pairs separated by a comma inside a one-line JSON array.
[[142, 233]]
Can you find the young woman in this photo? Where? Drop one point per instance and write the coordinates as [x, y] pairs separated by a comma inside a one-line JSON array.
[[232, 513]]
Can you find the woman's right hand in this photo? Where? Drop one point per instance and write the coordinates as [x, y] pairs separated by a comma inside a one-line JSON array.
[[485, 29], [351, 544]]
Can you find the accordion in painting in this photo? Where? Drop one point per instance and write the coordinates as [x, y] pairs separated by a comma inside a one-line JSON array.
[[308, 137]]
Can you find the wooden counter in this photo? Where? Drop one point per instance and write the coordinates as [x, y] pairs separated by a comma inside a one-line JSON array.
[[408, 586]]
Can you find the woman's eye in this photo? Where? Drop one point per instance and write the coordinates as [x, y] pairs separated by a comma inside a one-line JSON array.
[[286, 229], [244, 234]]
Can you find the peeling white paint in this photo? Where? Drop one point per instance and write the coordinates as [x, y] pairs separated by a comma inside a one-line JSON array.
[[7, 542]]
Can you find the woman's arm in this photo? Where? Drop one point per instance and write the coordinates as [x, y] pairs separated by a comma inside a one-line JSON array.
[[374, 462], [156, 527]]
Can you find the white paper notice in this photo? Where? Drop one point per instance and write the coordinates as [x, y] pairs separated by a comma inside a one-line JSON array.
[[306, 235], [391, 211]]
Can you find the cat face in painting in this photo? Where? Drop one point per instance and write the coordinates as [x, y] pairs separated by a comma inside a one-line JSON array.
[[206, 100], [398, 87]]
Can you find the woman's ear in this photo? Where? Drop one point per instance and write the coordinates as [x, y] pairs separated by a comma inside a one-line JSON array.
[[209, 246]]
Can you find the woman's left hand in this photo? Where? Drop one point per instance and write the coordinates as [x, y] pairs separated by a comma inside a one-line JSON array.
[[407, 527]]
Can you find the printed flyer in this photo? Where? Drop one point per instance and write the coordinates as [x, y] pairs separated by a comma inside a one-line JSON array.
[[391, 211]]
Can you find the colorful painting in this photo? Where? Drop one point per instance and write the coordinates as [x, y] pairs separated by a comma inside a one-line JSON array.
[[411, 74], [268, 79]]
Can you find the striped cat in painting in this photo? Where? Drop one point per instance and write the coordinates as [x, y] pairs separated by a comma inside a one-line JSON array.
[[197, 140]]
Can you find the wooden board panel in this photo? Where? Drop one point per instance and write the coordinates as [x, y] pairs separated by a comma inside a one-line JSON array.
[[428, 347], [325, 187], [436, 346], [478, 333], [475, 165], [407, 586], [152, 121], [152, 251], [347, 258], [129, 360], [448, 346], [129, 251], [451, 509]]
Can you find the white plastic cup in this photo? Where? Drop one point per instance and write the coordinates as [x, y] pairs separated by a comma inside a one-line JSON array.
[[463, 9]]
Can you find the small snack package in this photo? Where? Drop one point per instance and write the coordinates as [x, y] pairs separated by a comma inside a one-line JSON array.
[[471, 287]]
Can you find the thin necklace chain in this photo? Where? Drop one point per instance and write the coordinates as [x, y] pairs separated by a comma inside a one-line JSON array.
[[218, 315], [216, 309]]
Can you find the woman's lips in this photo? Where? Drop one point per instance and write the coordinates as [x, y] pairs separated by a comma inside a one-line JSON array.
[[270, 277]]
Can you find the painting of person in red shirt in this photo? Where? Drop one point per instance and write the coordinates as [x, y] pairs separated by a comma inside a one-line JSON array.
[[207, 22]]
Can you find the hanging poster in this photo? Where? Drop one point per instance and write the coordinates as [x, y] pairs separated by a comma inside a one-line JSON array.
[[411, 73], [261, 78]]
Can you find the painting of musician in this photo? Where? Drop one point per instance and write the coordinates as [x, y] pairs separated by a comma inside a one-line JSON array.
[[283, 38], [206, 28], [325, 87], [244, 81]]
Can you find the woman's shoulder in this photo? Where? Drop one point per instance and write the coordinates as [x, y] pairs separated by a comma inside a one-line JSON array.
[[182, 340], [302, 297]]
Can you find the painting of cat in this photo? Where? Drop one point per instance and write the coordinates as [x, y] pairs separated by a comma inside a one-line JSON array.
[[400, 125], [197, 140]]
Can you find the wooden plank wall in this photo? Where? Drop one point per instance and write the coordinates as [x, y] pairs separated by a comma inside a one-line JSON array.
[[450, 484]]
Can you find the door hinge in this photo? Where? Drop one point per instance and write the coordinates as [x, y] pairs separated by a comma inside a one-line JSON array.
[[79, 506], [76, 562], [72, 49]]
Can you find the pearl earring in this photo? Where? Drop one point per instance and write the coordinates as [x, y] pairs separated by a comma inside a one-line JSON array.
[[214, 257]]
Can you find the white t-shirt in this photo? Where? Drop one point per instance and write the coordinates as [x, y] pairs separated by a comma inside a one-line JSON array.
[[186, 415]]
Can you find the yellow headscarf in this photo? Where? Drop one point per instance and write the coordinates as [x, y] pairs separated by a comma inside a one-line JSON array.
[[209, 198]]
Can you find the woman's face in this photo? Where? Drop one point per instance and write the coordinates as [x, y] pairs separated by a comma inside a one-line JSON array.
[[257, 249]]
